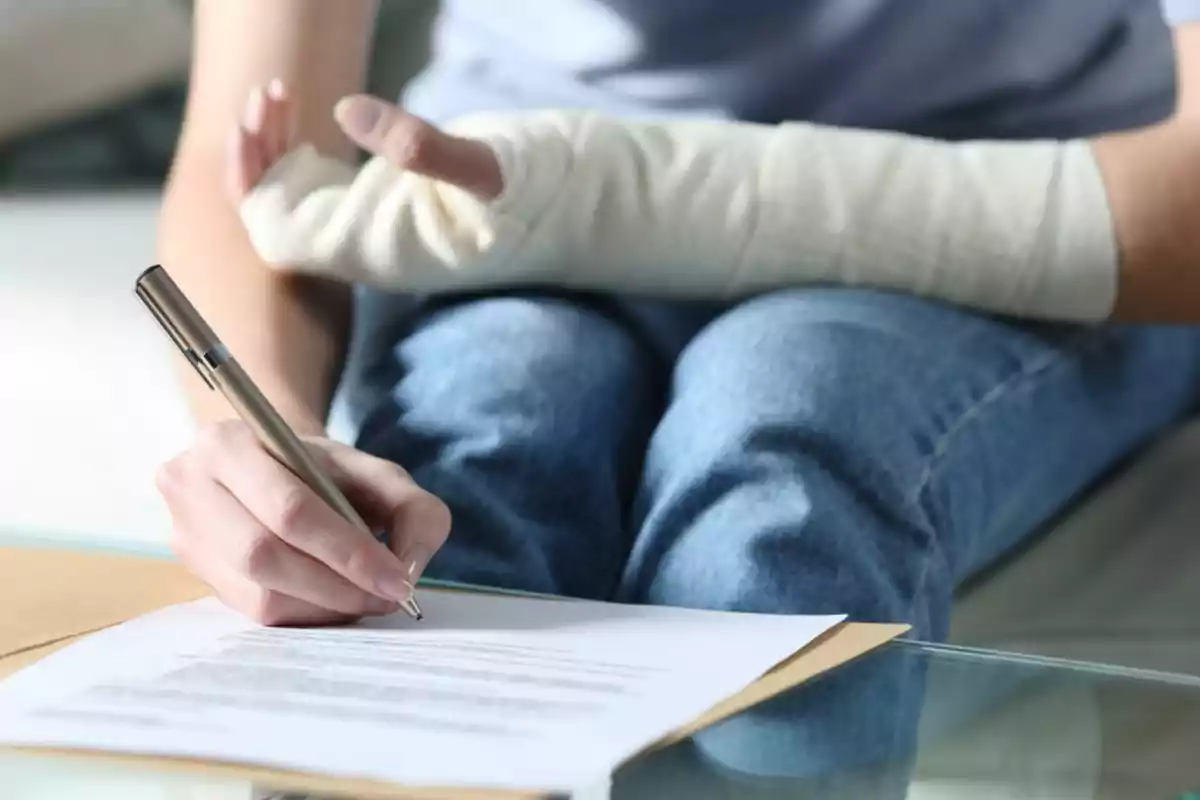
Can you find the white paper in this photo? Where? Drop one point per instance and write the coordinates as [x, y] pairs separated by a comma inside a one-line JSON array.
[[487, 691]]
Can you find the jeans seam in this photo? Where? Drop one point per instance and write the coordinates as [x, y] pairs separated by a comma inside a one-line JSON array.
[[923, 625], [1058, 357]]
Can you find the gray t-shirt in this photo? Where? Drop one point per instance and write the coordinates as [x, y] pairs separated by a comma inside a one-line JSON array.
[[947, 68]]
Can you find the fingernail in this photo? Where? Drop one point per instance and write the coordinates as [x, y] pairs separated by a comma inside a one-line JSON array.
[[358, 115], [415, 561], [275, 89], [254, 111], [395, 585]]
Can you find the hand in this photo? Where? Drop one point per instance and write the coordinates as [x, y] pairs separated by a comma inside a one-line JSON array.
[[411, 143], [268, 132], [273, 550]]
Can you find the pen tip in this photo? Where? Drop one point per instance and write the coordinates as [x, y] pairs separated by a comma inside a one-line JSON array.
[[413, 609]]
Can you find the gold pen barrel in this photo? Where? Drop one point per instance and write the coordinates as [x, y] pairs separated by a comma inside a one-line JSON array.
[[278, 437]]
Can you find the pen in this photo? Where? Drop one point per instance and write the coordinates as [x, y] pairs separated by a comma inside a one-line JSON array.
[[208, 355]]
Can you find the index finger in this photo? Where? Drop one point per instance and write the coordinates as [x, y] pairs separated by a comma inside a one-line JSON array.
[[418, 522], [294, 513], [411, 143]]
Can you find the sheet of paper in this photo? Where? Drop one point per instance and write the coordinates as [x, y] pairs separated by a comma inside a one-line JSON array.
[[487, 691]]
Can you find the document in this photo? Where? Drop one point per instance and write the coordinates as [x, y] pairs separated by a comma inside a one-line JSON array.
[[487, 691]]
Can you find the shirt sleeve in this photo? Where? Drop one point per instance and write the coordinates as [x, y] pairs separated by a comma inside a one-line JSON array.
[[1178, 12]]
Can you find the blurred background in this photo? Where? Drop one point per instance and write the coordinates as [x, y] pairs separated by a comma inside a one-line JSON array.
[[93, 89], [91, 95]]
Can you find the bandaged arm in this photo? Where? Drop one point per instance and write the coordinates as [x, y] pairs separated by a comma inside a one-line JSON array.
[[710, 210]]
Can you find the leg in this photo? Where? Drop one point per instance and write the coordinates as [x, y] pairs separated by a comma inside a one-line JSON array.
[[849, 451], [528, 414], [883, 448]]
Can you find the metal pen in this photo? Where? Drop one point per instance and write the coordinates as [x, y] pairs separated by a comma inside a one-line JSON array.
[[211, 359]]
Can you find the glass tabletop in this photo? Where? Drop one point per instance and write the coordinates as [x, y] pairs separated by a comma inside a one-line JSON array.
[[911, 720]]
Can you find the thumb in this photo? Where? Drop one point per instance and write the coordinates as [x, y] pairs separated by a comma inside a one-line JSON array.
[[411, 143]]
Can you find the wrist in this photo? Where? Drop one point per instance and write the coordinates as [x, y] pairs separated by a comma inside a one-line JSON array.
[[308, 426], [208, 407], [299, 416]]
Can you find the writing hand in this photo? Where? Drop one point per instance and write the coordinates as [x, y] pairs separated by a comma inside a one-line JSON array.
[[270, 548]]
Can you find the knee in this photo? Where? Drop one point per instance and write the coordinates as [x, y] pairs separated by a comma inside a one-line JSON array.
[[792, 421], [830, 336], [547, 337], [505, 373], [515, 354], [825, 372]]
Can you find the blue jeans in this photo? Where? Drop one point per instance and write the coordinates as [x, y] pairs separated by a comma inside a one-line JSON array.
[[810, 451], [816, 450]]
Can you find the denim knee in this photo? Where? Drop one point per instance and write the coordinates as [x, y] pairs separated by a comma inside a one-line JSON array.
[[528, 415], [772, 482]]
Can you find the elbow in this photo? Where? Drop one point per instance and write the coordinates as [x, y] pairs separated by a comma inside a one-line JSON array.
[[1162, 291]]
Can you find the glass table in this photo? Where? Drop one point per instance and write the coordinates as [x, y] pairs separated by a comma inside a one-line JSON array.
[[909, 720]]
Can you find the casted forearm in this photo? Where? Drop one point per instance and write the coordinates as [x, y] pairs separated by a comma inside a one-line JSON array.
[[711, 209]]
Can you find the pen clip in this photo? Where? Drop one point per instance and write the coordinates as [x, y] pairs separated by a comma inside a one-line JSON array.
[[174, 335]]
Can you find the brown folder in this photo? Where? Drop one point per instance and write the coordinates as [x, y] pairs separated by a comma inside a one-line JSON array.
[[52, 597]]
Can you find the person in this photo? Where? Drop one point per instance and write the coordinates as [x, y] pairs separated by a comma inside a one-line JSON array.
[[831, 449]]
